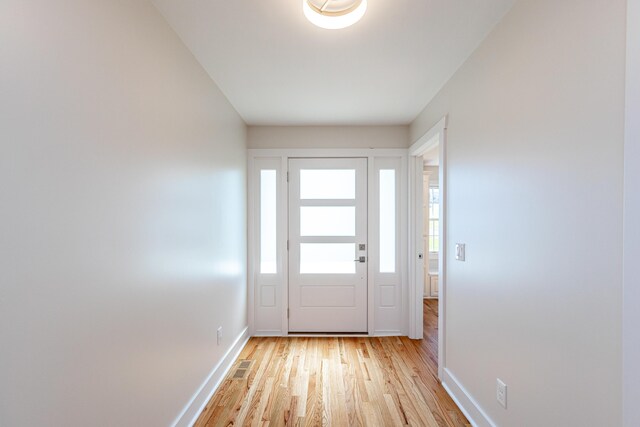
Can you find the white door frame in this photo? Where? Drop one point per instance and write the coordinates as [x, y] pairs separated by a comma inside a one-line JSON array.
[[436, 135], [278, 159]]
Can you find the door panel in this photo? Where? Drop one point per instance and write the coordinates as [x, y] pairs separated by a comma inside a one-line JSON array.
[[327, 228]]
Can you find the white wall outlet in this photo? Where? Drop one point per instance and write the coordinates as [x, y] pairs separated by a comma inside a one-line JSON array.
[[219, 335], [460, 251], [501, 393]]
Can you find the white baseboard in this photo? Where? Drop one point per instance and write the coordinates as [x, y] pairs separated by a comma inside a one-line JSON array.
[[200, 399], [267, 333], [312, 335], [467, 404], [388, 333]]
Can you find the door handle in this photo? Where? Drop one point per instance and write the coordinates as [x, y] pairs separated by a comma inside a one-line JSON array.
[[360, 259]]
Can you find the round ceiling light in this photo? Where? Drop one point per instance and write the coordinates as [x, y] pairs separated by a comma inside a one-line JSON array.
[[334, 14]]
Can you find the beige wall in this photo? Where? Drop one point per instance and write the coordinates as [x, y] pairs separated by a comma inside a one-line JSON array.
[[328, 137], [538, 202], [631, 372], [122, 226]]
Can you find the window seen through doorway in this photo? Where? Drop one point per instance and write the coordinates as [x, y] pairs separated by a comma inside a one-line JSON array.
[[434, 219]]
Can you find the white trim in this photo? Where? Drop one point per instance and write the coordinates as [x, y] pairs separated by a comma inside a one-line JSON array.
[[467, 404], [428, 140], [251, 256], [304, 335], [393, 333], [416, 283], [403, 243], [442, 256], [436, 135], [381, 333], [283, 214], [326, 152], [372, 219], [194, 408], [268, 333]]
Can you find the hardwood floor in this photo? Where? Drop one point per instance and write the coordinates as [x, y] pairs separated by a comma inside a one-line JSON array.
[[388, 381]]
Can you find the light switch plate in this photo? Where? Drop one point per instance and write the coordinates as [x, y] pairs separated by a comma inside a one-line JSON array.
[[460, 251], [501, 393]]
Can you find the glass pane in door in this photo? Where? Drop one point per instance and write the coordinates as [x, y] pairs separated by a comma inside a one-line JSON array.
[[327, 258], [268, 241], [327, 221], [337, 184], [387, 221]]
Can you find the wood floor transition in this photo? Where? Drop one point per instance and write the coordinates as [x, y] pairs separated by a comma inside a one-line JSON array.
[[390, 381]]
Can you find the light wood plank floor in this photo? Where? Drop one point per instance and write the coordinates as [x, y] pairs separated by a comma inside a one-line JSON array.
[[389, 381]]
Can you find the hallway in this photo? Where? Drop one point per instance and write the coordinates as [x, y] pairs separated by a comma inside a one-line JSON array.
[[192, 189], [336, 381]]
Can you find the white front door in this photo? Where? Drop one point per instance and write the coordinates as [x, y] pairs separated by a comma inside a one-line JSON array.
[[328, 245]]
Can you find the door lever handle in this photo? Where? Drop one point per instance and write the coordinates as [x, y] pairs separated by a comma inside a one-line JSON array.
[[360, 259]]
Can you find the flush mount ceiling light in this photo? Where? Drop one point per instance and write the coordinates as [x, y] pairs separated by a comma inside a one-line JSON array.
[[334, 14]]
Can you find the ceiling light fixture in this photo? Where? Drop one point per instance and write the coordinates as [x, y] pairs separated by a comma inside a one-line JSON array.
[[334, 14]]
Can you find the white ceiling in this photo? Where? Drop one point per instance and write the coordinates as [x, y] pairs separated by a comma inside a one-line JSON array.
[[276, 68]]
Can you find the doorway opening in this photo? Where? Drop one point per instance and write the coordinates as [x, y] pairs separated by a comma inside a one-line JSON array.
[[431, 221], [429, 239]]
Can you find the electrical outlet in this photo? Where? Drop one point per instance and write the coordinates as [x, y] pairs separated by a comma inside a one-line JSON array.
[[501, 393], [219, 335]]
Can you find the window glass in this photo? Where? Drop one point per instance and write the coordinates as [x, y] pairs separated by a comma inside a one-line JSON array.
[[327, 184], [268, 248], [387, 221], [327, 258], [327, 221], [434, 219]]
